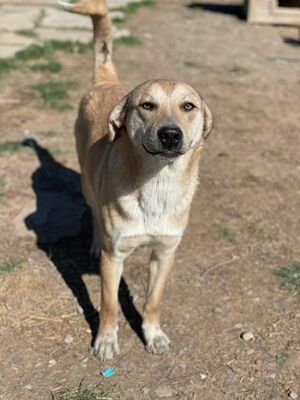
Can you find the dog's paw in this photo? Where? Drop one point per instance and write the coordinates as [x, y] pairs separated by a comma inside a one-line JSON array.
[[106, 345], [157, 342]]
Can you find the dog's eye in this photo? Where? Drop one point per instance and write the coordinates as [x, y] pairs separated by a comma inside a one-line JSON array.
[[188, 106], [148, 106]]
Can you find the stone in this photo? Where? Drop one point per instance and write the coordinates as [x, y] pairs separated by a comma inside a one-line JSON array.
[[293, 395], [68, 339], [51, 363], [15, 18], [247, 336]]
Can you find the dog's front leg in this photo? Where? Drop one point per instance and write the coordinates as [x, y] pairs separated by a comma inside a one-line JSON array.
[[161, 263], [106, 343]]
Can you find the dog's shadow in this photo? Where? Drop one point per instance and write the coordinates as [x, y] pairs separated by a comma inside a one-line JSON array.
[[63, 227]]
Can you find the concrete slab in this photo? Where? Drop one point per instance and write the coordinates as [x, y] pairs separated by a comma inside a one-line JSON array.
[[14, 18]]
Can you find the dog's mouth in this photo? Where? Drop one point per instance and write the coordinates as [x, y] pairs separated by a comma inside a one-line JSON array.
[[167, 154]]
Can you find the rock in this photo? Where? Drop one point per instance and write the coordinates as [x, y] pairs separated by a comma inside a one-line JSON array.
[[51, 363], [28, 387], [217, 311], [250, 352], [293, 395], [247, 336], [15, 18], [164, 391], [203, 377], [68, 339]]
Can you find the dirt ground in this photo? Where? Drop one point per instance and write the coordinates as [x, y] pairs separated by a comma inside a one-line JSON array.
[[244, 223]]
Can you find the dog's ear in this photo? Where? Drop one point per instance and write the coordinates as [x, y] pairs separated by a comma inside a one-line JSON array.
[[116, 119], [208, 121]]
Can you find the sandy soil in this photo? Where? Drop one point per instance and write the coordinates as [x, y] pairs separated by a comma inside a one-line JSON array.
[[244, 224]]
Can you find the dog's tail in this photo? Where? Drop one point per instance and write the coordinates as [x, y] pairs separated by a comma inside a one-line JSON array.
[[104, 70]]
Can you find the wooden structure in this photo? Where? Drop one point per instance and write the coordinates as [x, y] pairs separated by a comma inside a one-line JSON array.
[[281, 12]]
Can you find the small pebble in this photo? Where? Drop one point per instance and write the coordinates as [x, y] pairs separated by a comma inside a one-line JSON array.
[[273, 376], [217, 310], [247, 336], [203, 377], [28, 387], [230, 371], [145, 391], [250, 352], [68, 339], [51, 363], [293, 395]]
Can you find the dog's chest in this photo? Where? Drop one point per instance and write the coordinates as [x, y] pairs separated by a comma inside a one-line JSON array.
[[156, 208]]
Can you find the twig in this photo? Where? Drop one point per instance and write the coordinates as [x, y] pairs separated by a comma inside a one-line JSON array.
[[221, 264]]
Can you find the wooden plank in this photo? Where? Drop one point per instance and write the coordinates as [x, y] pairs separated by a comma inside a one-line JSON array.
[[268, 12]]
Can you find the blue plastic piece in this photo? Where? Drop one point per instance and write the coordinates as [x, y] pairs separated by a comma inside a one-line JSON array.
[[108, 372]]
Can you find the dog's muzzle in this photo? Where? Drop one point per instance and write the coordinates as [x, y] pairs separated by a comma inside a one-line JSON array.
[[171, 138]]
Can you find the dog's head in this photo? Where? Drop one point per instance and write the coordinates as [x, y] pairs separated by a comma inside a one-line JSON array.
[[162, 118]]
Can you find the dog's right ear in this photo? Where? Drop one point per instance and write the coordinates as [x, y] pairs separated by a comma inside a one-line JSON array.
[[116, 119]]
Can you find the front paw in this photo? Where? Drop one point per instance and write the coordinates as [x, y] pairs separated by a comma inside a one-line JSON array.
[[157, 342], [106, 345]]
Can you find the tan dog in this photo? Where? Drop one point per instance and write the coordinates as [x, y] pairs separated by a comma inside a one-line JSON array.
[[139, 152]]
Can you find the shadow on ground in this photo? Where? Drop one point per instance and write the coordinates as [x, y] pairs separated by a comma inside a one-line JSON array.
[[292, 42], [63, 227], [230, 9]]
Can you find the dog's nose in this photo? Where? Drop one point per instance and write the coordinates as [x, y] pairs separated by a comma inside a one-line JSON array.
[[170, 137]]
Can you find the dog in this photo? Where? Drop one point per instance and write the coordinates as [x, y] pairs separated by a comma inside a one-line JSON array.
[[139, 152]]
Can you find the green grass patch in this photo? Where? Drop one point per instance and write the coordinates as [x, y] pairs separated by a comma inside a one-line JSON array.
[[27, 32], [86, 394], [9, 147], [132, 8], [34, 52], [1, 189], [46, 52], [56, 93], [128, 41], [51, 66], [241, 71], [7, 65], [49, 134], [227, 234], [70, 46], [9, 266], [290, 277], [281, 358], [191, 64]]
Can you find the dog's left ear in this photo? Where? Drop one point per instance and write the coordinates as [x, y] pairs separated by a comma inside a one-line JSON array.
[[116, 119], [208, 121]]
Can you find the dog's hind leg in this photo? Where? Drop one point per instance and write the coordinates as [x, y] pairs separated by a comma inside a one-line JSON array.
[[104, 70]]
